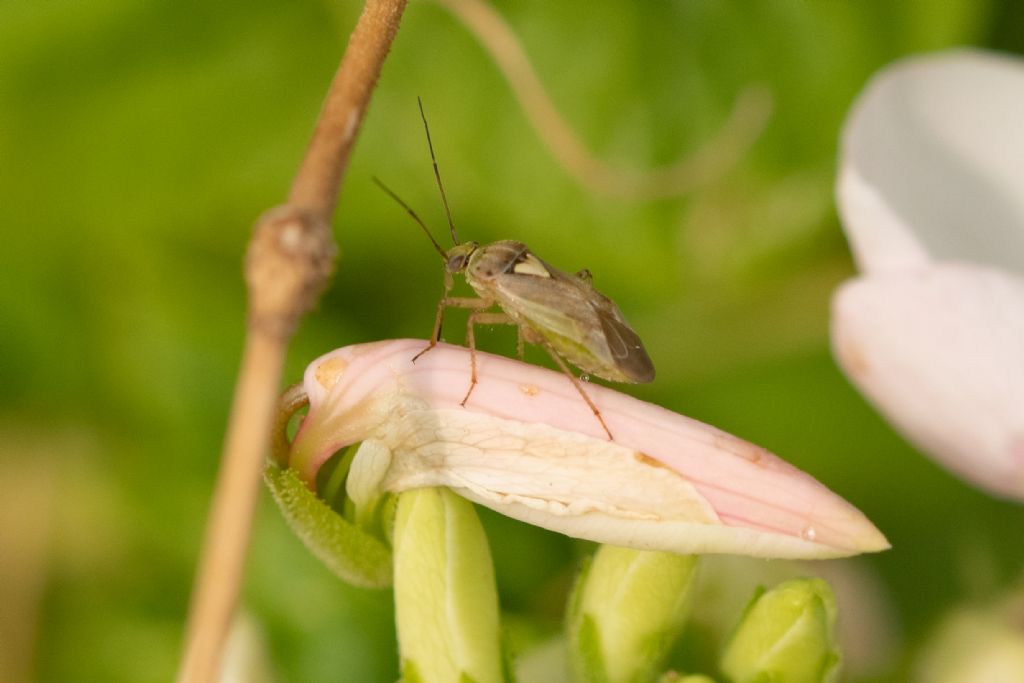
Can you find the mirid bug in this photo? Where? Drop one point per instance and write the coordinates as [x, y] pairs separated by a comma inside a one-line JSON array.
[[560, 312]]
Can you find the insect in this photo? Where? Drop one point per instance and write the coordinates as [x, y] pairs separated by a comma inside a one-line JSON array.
[[560, 312]]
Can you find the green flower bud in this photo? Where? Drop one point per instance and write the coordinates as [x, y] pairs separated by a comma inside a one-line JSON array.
[[627, 609], [786, 636], [446, 604]]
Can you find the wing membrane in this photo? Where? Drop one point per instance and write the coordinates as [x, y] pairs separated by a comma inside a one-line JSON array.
[[625, 346], [577, 321]]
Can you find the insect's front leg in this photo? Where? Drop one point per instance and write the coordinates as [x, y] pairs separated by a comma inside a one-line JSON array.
[[445, 302], [435, 336], [480, 317]]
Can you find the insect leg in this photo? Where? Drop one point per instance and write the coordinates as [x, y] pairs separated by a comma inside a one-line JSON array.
[[479, 317], [579, 388], [451, 302], [435, 336], [520, 342]]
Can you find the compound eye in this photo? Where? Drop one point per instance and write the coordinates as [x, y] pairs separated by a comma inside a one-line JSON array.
[[456, 263]]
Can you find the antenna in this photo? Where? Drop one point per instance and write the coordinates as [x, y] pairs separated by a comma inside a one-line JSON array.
[[413, 214], [437, 173]]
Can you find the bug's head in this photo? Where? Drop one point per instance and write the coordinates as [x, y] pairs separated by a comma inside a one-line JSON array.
[[457, 258]]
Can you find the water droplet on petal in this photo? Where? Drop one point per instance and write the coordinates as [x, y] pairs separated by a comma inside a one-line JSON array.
[[809, 533]]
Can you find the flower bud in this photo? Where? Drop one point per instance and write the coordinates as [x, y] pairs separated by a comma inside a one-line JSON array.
[[528, 447], [785, 636], [627, 609], [446, 603]]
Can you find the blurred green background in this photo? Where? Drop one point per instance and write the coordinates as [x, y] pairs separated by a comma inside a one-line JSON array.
[[139, 141]]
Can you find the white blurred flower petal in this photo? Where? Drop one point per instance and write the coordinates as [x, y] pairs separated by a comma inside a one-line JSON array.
[[527, 446], [939, 351], [933, 164], [931, 193]]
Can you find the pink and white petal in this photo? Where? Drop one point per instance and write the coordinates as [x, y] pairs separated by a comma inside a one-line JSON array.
[[528, 446], [932, 164], [940, 352]]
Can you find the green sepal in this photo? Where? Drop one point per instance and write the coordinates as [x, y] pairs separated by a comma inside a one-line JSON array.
[[786, 635], [367, 504], [509, 652], [330, 480], [584, 641], [409, 672], [626, 610], [356, 557], [588, 664]]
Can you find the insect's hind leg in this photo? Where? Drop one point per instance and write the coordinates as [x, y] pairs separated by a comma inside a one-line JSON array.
[[579, 387], [479, 317]]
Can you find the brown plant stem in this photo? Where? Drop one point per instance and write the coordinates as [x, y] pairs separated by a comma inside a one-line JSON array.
[[319, 177], [289, 263]]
